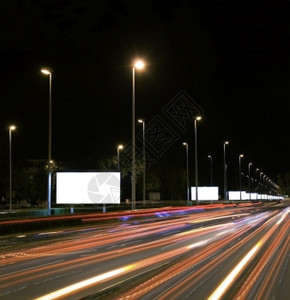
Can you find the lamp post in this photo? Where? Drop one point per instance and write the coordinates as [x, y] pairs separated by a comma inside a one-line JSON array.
[[261, 184], [120, 147], [261, 179], [48, 72], [187, 174], [240, 175], [249, 179], [265, 185], [11, 128], [198, 118], [210, 157], [225, 170], [137, 65], [256, 179], [142, 121]]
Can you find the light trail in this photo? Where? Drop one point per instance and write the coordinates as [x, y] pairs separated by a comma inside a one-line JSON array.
[[109, 275], [186, 254], [113, 273], [221, 289], [182, 266], [85, 283], [280, 240], [214, 246], [226, 283], [67, 248]]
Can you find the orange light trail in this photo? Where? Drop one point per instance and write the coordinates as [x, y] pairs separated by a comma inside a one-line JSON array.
[[178, 242]]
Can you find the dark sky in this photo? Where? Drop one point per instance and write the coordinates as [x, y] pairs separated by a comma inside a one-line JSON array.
[[231, 57]]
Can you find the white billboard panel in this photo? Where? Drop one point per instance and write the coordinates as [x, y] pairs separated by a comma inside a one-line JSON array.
[[237, 195], [254, 196], [263, 196], [205, 193], [88, 187]]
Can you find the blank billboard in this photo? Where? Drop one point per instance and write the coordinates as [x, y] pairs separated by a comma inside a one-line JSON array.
[[205, 193], [88, 187], [238, 195], [252, 196]]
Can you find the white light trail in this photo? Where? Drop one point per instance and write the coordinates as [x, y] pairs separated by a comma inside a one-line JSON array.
[[82, 284], [220, 290]]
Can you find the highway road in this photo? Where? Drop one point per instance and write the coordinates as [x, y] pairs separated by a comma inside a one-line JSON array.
[[197, 252]]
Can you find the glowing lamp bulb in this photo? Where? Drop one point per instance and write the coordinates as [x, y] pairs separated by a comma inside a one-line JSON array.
[[45, 71], [139, 64]]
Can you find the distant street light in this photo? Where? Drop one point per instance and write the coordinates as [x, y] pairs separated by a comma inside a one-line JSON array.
[[210, 157], [240, 175], [256, 179], [120, 147], [49, 73], [243, 177], [137, 65], [225, 170], [261, 183], [265, 186], [11, 128], [142, 121], [249, 179], [187, 173], [261, 174], [198, 118]]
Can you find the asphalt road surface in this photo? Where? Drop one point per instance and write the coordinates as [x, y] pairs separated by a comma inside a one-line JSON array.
[[227, 252]]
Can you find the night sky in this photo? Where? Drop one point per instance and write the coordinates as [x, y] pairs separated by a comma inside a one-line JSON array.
[[230, 57]]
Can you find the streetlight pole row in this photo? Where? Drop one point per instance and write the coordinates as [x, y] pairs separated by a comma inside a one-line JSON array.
[[137, 65], [261, 179]]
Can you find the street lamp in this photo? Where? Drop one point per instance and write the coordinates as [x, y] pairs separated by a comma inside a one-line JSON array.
[[210, 157], [11, 128], [256, 179], [142, 121], [240, 175], [261, 183], [187, 174], [261, 180], [120, 147], [225, 170], [137, 65], [264, 185], [197, 118], [249, 179], [48, 72]]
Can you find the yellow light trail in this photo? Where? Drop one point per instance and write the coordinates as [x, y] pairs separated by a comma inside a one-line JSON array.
[[85, 283]]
